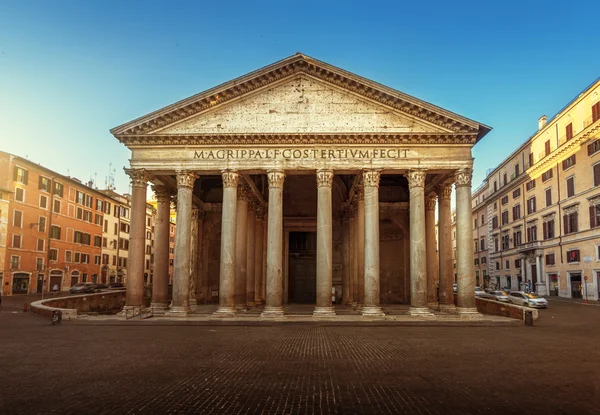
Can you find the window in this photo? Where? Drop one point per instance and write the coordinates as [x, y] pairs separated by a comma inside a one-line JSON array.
[[19, 194], [107, 208], [105, 226], [496, 245], [77, 257], [87, 216], [124, 262], [81, 238], [124, 244], [497, 265], [116, 231], [98, 241], [530, 159], [483, 260], [547, 175], [53, 254], [516, 212], [594, 216], [548, 229], [495, 186], [517, 238], [18, 219], [40, 245], [124, 212], [505, 242], [482, 219], [517, 263], [550, 259], [104, 259], [573, 256], [597, 174], [570, 223], [547, 147], [548, 197], [16, 242], [517, 172], [79, 197], [505, 200], [532, 233], [569, 131], [124, 227], [96, 259], [104, 243], [571, 186], [516, 193], [54, 232], [44, 184], [85, 258], [530, 185], [149, 235], [495, 222], [100, 205], [507, 264], [58, 189], [20, 175], [594, 147], [68, 256], [39, 264], [476, 261], [89, 201], [15, 262], [495, 205], [114, 260], [504, 179], [531, 205], [569, 162], [79, 214], [56, 206], [42, 224], [148, 249], [505, 217], [147, 264], [43, 202], [482, 244], [98, 220]]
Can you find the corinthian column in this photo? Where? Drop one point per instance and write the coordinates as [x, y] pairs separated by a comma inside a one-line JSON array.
[[418, 258], [346, 258], [371, 281], [180, 305], [432, 268], [135, 278], [228, 245], [160, 284], [241, 247], [250, 247], [273, 307], [258, 254], [360, 252], [446, 269], [465, 278], [354, 255], [323, 307]]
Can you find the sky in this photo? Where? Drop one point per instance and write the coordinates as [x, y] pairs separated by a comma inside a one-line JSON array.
[[72, 70]]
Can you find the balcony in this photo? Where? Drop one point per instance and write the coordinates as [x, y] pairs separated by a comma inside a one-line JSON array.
[[529, 246]]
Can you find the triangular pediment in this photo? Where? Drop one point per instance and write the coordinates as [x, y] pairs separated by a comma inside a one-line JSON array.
[[298, 106], [299, 95]]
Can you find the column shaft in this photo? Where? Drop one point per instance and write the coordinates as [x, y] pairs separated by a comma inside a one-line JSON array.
[[250, 276], [201, 283], [446, 268], [273, 307], [324, 306], [354, 258], [418, 257], [346, 267], [228, 245], [258, 256], [193, 256], [431, 254], [371, 244], [160, 285], [180, 305], [465, 279], [360, 230], [241, 248]]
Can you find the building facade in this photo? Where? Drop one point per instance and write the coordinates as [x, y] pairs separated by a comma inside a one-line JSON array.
[[299, 179], [541, 207]]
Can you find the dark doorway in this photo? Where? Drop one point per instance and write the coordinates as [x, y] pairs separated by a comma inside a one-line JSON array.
[[576, 287], [533, 277], [303, 267]]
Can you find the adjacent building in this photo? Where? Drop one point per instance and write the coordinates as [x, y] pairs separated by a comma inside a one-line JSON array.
[[536, 217]]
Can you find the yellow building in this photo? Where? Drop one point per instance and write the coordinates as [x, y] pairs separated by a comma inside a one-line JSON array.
[[539, 210]]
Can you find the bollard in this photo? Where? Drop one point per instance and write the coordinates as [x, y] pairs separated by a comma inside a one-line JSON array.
[[25, 307], [528, 321]]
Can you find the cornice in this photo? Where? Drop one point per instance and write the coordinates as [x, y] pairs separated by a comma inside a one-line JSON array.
[[137, 140], [292, 66]]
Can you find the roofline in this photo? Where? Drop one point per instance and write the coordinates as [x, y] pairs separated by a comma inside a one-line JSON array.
[[482, 128]]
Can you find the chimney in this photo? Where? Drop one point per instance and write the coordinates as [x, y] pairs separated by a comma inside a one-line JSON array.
[[542, 122]]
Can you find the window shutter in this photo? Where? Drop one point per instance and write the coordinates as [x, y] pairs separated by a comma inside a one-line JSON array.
[[575, 222], [595, 111], [597, 175], [533, 204], [40, 183], [547, 147], [566, 224], [15, 173], [590, 148], [545, 230], [593, 217], [570, 187], [569, 131], [25, 176]]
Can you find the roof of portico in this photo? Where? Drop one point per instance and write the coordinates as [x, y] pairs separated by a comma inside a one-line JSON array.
[[149, 127]]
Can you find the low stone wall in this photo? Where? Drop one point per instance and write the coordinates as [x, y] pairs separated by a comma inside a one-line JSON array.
[[498, 308], [106, 302]]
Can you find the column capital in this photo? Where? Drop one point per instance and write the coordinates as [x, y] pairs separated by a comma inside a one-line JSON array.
[[230, 178], [430, 202], [463, 177], [186, 178], [445, 191], [276, 178], [371, 178], [416, 178], [260, 212], [162, 193], [324, 178], [243, 192], [139, 177]]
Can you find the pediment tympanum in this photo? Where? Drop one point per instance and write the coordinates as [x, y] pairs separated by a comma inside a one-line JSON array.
[[301, 105]]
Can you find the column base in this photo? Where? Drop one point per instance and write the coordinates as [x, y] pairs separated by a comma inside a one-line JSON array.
[[159, 308], [193, 302], [129, 311], [272, 312], [420, 312], [372, 311], [324, 312], [358, 307], [251, 304], [469, 313], [354, 304], [433, 305], [224, 312], [178, 311], [448, 308], [241, 307]]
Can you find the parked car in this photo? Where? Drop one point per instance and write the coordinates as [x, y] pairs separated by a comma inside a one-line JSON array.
[[83, 287], [479, 292], [116, 286], [498, 296], [101, 286], [527, 299]]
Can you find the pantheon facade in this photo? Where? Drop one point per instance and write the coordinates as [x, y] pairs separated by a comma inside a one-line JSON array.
[[303, 183]]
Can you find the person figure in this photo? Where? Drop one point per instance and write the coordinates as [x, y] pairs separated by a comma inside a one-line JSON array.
[[55, 288]]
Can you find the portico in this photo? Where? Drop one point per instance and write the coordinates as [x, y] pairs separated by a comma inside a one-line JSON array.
[[305, 178]]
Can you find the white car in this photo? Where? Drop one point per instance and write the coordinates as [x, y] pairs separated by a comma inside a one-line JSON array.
[[527, 299], [501, 296], [479, 292]]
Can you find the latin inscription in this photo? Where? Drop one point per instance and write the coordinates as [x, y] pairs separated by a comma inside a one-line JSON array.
[[295, 154]]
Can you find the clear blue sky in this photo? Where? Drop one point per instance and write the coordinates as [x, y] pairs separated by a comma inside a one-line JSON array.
[[71, 70]]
